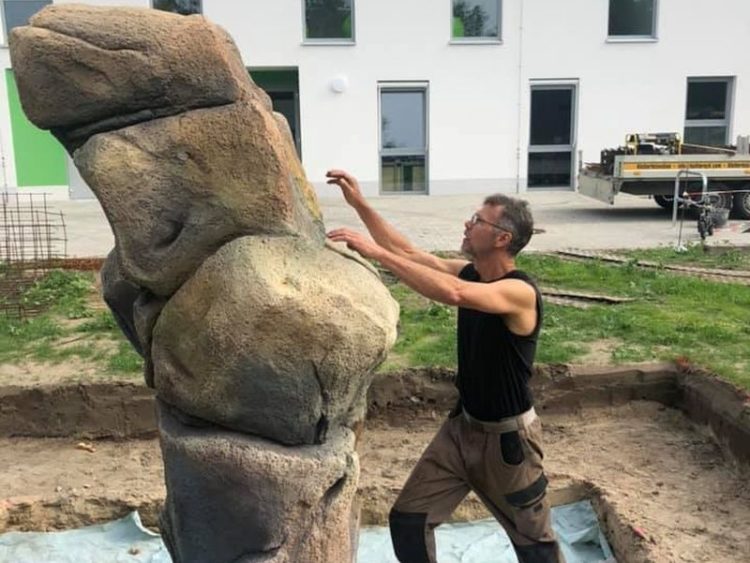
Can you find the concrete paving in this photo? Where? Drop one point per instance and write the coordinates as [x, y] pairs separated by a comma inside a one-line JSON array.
[[569, 220]]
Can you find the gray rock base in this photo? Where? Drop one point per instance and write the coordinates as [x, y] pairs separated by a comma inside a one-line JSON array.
[[237, 498]]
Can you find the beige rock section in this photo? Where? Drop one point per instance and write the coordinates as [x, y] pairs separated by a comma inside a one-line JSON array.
[[232, 497], [175, 189], [77, 65], [280, 344]]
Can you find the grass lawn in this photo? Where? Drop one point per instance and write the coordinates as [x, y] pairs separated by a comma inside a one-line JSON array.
[[672, 316], [718, 257], [74, 326]]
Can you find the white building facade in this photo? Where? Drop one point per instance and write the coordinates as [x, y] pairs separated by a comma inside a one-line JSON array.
[[445, 97]]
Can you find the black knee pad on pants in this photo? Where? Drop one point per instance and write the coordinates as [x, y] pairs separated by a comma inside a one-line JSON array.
[[408, 536], [538, 553]]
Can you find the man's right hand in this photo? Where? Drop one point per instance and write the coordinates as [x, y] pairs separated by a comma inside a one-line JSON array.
[[349, 187], [381, 231]]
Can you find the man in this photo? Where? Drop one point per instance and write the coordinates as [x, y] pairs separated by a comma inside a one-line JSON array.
[[491, 442]]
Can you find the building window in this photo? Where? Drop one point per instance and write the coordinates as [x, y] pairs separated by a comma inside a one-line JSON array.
[[552, 136], [476, 20], [403, 138], [17, 12], [183, 7], [708, 112], [329, 20], [632, 18]]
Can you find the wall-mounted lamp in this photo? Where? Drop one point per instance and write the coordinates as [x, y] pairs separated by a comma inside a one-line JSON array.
[[339, 84]]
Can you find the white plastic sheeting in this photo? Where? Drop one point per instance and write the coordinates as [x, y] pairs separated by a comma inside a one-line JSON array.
[[127, 541], [484, 541], [121, 541]]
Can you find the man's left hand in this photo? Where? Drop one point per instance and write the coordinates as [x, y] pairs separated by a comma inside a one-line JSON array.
[[357, 241]]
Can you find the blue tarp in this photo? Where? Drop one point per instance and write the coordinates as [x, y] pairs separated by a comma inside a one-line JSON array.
[[485, 541], [127, 541]]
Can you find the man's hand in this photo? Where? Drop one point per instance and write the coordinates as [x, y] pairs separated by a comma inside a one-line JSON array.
[[349, 187], [357, 241]]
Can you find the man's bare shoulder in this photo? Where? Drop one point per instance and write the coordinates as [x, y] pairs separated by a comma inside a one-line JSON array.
[[521, 291]]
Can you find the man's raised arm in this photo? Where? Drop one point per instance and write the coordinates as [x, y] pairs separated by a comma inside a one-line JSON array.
[[383, 232]]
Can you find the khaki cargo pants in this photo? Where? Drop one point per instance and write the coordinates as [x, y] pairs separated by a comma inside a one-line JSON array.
[[503, 468]]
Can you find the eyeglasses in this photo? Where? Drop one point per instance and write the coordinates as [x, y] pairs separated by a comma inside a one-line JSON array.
[[477, 219]]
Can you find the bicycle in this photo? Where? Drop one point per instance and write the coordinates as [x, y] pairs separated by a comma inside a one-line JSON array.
[[710, 215]]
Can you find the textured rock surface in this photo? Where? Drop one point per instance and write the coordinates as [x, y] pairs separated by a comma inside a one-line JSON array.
[[286, 323], [79, 65], [176, 189], [146, 311], [259, 501]]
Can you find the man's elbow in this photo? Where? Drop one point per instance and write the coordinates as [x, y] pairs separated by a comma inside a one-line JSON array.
[[455, 298]]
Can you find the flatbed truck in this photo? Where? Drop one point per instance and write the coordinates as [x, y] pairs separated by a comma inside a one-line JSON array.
[[649, 163]]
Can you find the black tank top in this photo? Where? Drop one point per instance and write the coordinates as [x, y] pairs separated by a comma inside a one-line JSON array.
[[494, 365]]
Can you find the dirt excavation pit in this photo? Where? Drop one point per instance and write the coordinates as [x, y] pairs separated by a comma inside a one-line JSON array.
[[662, 453]]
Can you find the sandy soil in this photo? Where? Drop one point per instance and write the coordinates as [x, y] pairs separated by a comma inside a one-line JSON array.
[[661, 474], [72, 370], [649, 463]]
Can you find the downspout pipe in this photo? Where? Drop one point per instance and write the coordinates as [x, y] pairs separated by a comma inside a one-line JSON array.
[[520, 94]]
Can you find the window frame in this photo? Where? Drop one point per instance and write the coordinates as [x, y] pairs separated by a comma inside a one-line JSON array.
[[653, 37], [496, 40], [555, 84], [328, 41], [399, 86], [730, 81], [3, 19], [200, 4]]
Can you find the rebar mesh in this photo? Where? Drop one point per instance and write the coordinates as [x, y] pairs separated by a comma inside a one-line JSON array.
[[33, 238]]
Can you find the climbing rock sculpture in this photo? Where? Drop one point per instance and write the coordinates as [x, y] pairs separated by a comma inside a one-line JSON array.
[[259, 337]]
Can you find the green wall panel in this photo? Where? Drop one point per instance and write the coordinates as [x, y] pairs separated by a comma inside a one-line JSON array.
[[39, 157]]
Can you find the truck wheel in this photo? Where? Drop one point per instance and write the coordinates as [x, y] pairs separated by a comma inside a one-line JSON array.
[[723, 200], [742, 204], [664, 201]]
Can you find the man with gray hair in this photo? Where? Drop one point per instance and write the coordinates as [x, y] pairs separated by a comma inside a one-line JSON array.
[[491, 442]]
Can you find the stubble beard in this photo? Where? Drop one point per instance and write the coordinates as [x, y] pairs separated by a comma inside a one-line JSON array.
[[466, 249]]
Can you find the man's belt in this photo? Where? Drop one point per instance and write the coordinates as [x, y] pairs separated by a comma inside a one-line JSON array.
[[510, 424]]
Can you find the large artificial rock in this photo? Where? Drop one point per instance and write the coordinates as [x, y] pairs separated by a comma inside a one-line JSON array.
[[232, 497], [82, 69], [259, 337], [281, 344], [193, 182]]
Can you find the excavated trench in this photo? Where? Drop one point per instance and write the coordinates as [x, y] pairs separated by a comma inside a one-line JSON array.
[[661, 451]]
